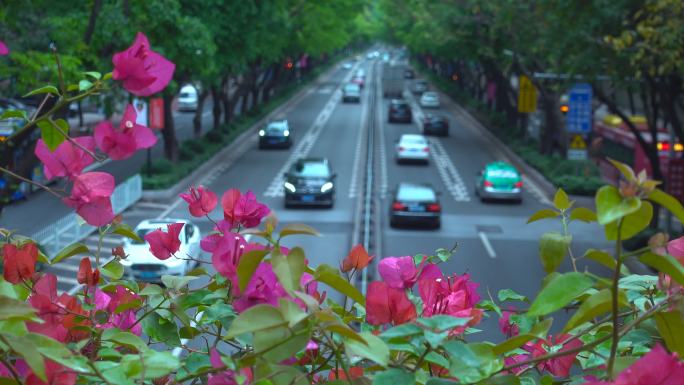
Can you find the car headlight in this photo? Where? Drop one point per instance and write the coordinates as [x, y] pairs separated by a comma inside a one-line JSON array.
[[262, 132], [286, 132], [326, 186], [290, 187]]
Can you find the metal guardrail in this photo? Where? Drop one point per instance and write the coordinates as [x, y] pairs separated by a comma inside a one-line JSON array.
[[71, 228]]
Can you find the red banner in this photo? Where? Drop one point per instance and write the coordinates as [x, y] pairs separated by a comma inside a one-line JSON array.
[[157, 113]]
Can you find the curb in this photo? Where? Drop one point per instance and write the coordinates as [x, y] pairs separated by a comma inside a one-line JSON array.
[[232, 151]]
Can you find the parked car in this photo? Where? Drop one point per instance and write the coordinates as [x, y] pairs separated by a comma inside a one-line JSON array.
[[359, 80], [435, 125], [187, 98], [351, 93], [429, 99], [500, 181], [275, 134], [419, 86], [415, 204], [399, 111], [412, 147], [141, 265], [409, 74], [310, 182]]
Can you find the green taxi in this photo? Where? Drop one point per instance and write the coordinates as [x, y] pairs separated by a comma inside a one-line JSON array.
[[499, 181]]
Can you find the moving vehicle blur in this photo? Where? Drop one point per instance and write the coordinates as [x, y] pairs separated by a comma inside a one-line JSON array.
[[435, 125], [187, 98], [392, 80], [429, 99], [275, 134], [358, 80], [310, 182], [143, 266], [409, 74], [399, 111], [412, 147], [419, 86], [415, 204], [499, 181], [351, 93]]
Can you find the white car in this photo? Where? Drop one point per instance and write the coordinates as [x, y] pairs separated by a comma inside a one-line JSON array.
[[412, 147], [141, 265], [347, 65], [429, 99], [187, 98]]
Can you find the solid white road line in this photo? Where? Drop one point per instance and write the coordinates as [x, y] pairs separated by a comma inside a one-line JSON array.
[[488, 246], [384, 179], [306, 143]]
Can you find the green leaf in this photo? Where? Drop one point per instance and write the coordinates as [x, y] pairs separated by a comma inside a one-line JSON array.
[[298, 228], [472, 362], [632, 224], [345, 331], [127, 339], [25, 348], [176, 283], [291, 312], [394, 376], [597, 304], [289, 268], [107, 76], [510, 379], [330, 276], [43, 90], [12, 309], [437, 359], [85, 85], [93, 74], [543, 214], [559, 292], [152, 289], [442, 322], [400, 331], [670, 325], [605, 259], [665, 264], [626, 171], [161, 330], [539, 330], [582, 214], [279, 343], [435, 339], [553, 247], [374, 349], [50, 135], [153, 364], [113, 270], [443, 254], [610, 206], [511, 295], [8, 114], [669, 202], [127, 231], [217, 312], [561, 201], [57, 352], [248, 265], [69, 251], [254, 319]]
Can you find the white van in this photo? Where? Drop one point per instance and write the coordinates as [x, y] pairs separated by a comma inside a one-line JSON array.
[[187, 98]]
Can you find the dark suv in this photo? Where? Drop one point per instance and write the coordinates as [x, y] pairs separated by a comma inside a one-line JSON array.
[[399, 111], [310, 182]]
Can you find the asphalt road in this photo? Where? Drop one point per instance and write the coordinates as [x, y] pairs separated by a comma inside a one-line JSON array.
[[495, 245]]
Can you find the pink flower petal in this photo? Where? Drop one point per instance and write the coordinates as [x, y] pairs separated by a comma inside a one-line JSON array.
[[4, 50]]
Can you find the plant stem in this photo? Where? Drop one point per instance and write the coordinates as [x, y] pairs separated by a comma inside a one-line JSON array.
[[614, 293], [46, 188], [74, 142], [12, 370], [421, 359], [62, 85], [147, 313]]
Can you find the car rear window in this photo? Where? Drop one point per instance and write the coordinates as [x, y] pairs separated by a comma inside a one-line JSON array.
[[413, 140], [416, 193], [502, 173], [352, 87], [311, 169]]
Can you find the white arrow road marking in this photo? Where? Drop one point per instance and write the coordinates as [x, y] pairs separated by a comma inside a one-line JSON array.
[[486, 244]]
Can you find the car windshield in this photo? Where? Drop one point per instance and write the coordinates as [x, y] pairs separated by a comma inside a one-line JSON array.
[[413, 140], [311, 170], [431, 95], [502, 173], [185, 95], [276, 127], [351, 87], [416, 193]]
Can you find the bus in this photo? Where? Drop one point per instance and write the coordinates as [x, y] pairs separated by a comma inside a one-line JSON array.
[[614, 140]]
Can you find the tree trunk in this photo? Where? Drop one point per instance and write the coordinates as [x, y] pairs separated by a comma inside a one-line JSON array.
[[275, 79], [92, 21], [550, 137], [217, 98], [199, 112], [169, 130]]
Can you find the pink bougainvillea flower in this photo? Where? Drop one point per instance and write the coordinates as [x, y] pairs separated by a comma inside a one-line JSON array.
[[165, 244], [3, 49], [455, 296], [56, 374], [226, 377], [200, 201], [226, 250], [402, 273], [122, 143], [243, 210], [507, 327], [143, 71], [86, 274], [262, 288], [385, 304], [357, 259], [68, 160], [657, 367], [676, 247], [90, 196], [109, 302], [19, 262], [559, 366]]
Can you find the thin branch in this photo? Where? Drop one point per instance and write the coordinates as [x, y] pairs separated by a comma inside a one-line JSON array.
[[12, 370], [46, 188], [615, 303]]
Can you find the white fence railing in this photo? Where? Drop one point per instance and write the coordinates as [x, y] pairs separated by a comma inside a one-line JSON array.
[[71, 228]]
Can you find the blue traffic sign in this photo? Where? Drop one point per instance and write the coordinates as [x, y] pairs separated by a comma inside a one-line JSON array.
[[580, 115]]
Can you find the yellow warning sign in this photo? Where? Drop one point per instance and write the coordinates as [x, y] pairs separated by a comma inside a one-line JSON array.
[[577, 142], [527, 96]]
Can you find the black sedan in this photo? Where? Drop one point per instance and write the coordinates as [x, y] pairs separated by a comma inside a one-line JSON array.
[[275, 134], [415, 204], [435, 125], [399, 111], [310, 182]]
